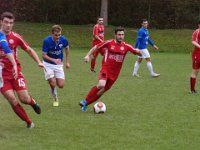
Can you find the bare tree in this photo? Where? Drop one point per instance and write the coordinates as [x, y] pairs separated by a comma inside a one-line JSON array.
[[104, 11]]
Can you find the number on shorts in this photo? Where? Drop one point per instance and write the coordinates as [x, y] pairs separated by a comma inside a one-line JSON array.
[[21, 82]]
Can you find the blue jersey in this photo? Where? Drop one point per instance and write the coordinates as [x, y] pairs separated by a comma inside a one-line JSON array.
[[143, 39], [4, 43], [53, 49]]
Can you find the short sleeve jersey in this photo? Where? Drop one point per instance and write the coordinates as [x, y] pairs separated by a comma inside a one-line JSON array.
[[53, 49], [196, 37], [114, 55], [14, 41], [99, 31]]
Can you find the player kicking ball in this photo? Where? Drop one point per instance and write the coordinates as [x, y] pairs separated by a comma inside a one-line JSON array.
[[115, 51]]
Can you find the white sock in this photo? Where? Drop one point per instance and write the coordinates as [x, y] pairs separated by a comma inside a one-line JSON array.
[[54, 91], [150, 67], [136, 67]]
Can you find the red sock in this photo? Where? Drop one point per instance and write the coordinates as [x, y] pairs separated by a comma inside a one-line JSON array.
[[19, 110], [32, 101], [192, 84], [93, 62], [92, 95]]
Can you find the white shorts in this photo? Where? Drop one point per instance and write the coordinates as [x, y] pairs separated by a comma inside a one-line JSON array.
[[1, 78], [52, 70], [145, 53]]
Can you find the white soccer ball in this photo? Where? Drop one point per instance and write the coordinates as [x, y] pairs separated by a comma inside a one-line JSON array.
[[99, 107]]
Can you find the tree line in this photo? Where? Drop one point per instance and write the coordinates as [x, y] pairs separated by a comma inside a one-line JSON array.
[[160, 13]]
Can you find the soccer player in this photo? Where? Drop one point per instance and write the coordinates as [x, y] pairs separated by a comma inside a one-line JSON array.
[[142, 43], [5, 50], [114, 55], [195, 58], [12, 85], [52, 53], [98, 37]]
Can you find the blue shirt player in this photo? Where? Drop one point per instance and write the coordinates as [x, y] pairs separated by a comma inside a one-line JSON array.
[[142, 42], [5, 50], [52, 53]]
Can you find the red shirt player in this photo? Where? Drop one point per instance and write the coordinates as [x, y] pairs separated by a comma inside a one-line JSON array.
[[12, 85], [114, 55], [98, 37], [195, 58]]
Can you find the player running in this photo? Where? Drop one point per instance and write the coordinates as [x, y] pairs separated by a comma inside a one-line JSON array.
[[142, 43], [195, 58], [12, 85], [98, 37], [114, 55], [52, 53]]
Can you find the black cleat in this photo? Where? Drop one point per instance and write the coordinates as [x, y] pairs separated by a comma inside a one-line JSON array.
[[37, 108]]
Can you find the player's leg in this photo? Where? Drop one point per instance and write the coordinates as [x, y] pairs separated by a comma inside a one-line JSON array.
[[193, 80], [25, 98], [93, 61], [147, 57], [17, 108], [94, 94], [137, 66], [150, 68]]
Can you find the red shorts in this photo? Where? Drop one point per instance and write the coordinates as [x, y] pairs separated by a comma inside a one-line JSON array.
[[12, 84], [195, 60], [110, 79]]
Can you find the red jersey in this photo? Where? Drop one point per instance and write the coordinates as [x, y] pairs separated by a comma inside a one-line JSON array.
[[114, 54], [99, 31], [196, 37], [14, 41]]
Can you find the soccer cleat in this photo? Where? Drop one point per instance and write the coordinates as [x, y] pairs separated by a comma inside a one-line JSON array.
[[136, 75], [56, 103], [193, 92], [92, 70], [30, 125], [155, 75], [37, 108], [83, 105]]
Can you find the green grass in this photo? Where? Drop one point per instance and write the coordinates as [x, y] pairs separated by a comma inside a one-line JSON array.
[[81, 36], [142, 113]]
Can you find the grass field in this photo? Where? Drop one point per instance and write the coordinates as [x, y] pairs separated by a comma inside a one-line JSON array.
[[142, 113]]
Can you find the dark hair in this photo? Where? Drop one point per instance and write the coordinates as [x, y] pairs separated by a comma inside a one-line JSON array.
[[144, 20], [7, 15], [119, 29]]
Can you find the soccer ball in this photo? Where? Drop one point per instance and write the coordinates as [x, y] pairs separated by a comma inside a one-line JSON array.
[[99, 107]]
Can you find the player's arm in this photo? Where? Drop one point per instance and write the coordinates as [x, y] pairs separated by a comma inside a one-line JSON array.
[[195, 44], [10, 56], [95, 34], [92, 50], [67, 57], [139, 39], [46, 57], [152, 44], [34, 56]]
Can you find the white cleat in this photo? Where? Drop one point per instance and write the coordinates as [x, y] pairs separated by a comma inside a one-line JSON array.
[[56, 103], [136, 75], [31, 125], [155, 75]]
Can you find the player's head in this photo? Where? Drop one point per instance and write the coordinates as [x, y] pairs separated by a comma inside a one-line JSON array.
[[100, 20], [119, 34], [56, 32], [7, 22], [145, 23]]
